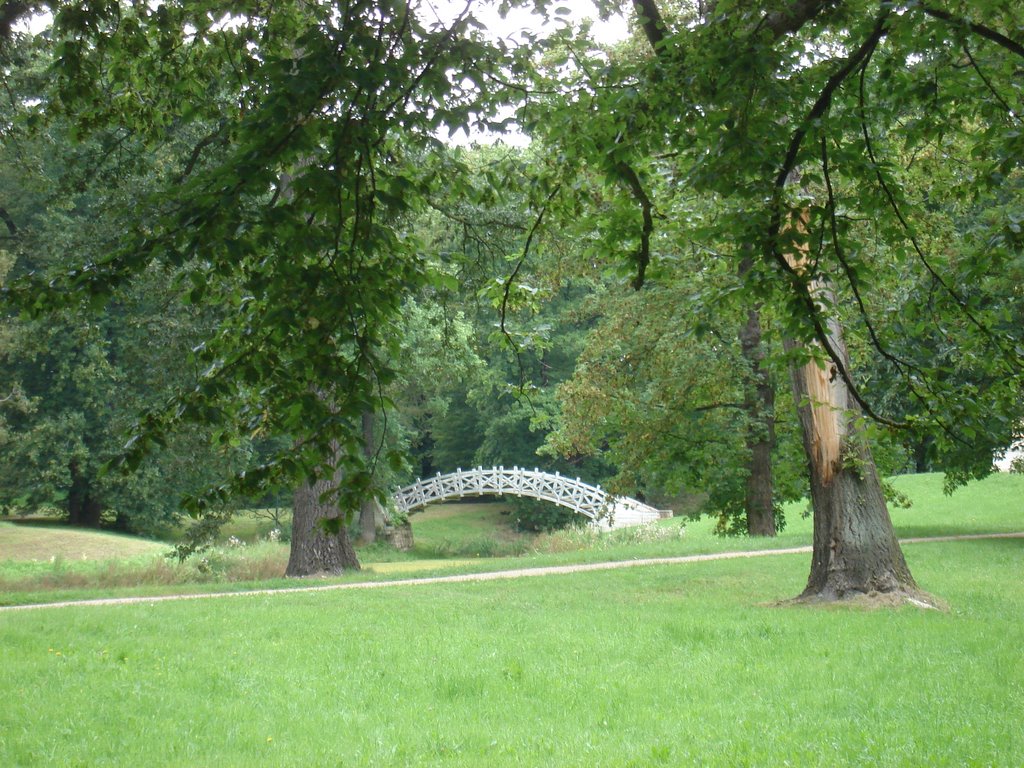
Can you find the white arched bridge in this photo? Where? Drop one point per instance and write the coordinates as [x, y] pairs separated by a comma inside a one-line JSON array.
[[603, 509]]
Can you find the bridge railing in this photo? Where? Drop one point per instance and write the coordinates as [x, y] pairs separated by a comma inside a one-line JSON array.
[[589, 500]]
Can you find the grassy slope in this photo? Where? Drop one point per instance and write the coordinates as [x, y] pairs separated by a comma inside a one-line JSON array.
[[993, 504], [436, 528], [44, 542], [667, 665], [445, 524]]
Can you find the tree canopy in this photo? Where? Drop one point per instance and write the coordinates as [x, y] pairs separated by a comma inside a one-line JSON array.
[[853, 166]]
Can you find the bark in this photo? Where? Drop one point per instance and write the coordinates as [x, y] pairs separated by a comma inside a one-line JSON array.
[[84, 509], [922, 462], [855, 549], [314, 550], [780, 22], [760, 512], [651, 21], [759, 404], [371, 519], [793, 17], [368, 512]]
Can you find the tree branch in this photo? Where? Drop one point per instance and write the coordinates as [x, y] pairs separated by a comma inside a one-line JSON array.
[[780, 23], [851, 276], [899, 363], [651, 21], [197, 152], [819, 108], [6, 218], [642, 256], [950, 291], [824, 100], [794, 17], [979, 29], [988, 84], [507, 288]]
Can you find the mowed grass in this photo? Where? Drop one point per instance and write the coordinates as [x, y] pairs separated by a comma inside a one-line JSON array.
[[662, 665], [473, 537]]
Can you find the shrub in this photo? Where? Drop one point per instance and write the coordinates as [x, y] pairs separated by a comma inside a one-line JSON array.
[[537, 516]]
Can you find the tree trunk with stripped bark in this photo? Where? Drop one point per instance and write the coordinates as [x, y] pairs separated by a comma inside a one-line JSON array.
[[855, 548]]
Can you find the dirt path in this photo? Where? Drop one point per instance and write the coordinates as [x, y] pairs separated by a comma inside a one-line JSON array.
[[517, 573]]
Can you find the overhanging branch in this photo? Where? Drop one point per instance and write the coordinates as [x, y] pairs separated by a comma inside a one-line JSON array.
[[824, 101], [820, 107], [651, 22], [643, 252], [979, 29], [507, 288]]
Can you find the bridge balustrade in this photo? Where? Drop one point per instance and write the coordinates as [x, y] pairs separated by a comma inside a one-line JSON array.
[[588, 500]]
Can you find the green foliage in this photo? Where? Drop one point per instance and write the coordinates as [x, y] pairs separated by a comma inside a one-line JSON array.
[[536, 516], [523, 302], [78, 380], [438, 355], [286, 212], [290, 154], [901, 125], [660, 396]]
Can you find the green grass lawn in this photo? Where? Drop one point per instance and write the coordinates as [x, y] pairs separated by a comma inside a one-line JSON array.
[[664, 665], [466, 537]]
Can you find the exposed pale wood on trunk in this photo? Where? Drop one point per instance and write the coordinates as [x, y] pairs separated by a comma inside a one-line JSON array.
[[828, 425], [855, 549]]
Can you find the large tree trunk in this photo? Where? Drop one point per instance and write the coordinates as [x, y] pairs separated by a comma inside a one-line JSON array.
[[314, 549], [759, 405], [922, 448], [855, 548], [84, 509], [368, 512]]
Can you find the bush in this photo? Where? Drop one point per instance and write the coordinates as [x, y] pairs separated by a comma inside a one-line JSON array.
[[537, 516]]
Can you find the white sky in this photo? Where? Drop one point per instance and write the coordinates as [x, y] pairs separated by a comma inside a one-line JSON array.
[[615, 29], [611, 31]]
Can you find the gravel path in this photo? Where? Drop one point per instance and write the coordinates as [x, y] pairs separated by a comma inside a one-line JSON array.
[[517, 573]]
